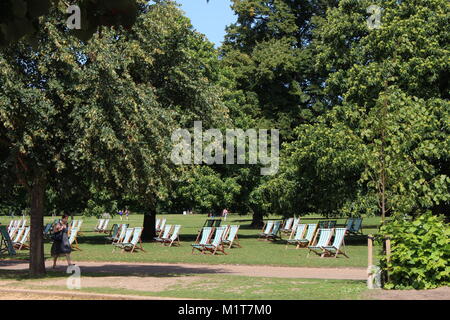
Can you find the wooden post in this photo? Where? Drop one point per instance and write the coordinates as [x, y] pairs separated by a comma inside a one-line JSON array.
[[369, 250], [388, 255]]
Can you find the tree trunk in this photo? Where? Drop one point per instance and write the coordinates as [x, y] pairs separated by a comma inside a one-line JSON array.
[[149, 226], [37, 262], [257, 220]]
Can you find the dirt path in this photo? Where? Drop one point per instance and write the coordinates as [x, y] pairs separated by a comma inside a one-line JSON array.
[[140, 269]]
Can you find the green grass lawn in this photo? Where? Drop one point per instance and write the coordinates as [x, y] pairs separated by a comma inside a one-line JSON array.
[[253, 252]]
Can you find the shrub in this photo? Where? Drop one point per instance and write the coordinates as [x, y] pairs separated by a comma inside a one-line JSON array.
[[420, 251]]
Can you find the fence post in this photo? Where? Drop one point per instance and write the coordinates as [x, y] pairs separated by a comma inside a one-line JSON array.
[[370, 274], [388, 255]]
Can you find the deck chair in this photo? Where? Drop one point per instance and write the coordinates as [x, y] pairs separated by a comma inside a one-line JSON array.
[[324, 240], [275, 233], [295, 224], [13, 231], [161, 226], [232, 238], [174, 238], [105, 226], [309, 237], [206, 233], [349, 223], [335, 249], [157, 222], [47, 230], [266, 229], [287, 227], [19, 245], [216, 244], [165, 234], [23, 223], [6, 245], [18, 235], [128, 233], [73, 239], [113, 233], [99, 225], [135, 243], [356, 227], [122, 231], [299, 232]]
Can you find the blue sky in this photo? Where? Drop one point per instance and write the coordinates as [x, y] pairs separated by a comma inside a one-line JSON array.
[[209, 18]]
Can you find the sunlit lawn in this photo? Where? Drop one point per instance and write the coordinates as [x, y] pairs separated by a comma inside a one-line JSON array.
[[253, 252]]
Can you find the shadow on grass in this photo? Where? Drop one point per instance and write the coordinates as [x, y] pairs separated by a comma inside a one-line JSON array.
[[111, 270]]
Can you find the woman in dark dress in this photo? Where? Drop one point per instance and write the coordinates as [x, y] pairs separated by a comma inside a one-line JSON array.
[[61, 245]]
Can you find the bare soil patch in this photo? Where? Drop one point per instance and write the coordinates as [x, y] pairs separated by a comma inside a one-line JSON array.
[[432, 294]]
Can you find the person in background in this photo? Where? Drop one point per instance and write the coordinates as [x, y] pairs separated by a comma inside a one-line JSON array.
[[120, 214], [127, 213], [224, 214], [61, 245]]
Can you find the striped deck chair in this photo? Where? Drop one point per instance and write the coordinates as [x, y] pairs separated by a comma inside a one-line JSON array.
[[135, 243], [47, 230], [174, 238], [295, 224], [275, 233], [120, 234], [12, 233], [105, 226], [157, 223], [335, 249], [206, 233], [128, 233], [23, 223], [99, 225], [349, 223], [287, 227], [18, 235], [11, 223], [73, 239], [232, 238], [299, 232], [227, 230], [165, 234], [21, 244], [309, 238], [266, 230], [161, 226], [80, 222], [324, 240], [216, 244], [113, 233], [356, 227]]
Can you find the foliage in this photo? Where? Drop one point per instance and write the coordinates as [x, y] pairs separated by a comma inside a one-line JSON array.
[[389, 87], [420, 251]]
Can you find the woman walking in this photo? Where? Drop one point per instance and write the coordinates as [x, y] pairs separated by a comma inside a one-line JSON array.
[[61, 245]]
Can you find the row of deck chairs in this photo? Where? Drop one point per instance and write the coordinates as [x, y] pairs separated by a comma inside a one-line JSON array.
[[17, 224], [102, 226], [169, 235], [20, 236], [306, 235], [225, 235], [271, 231], [130, 241]]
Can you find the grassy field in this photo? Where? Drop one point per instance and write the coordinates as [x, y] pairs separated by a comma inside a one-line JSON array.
[[221, 287], [253, 252]]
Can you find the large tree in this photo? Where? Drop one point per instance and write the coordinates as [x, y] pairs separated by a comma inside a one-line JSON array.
[[383, 148], [101, 111]]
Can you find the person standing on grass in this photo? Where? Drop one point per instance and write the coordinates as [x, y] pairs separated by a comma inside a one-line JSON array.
[[120, 214], [127, 213], [224, 214], [61, 245]]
